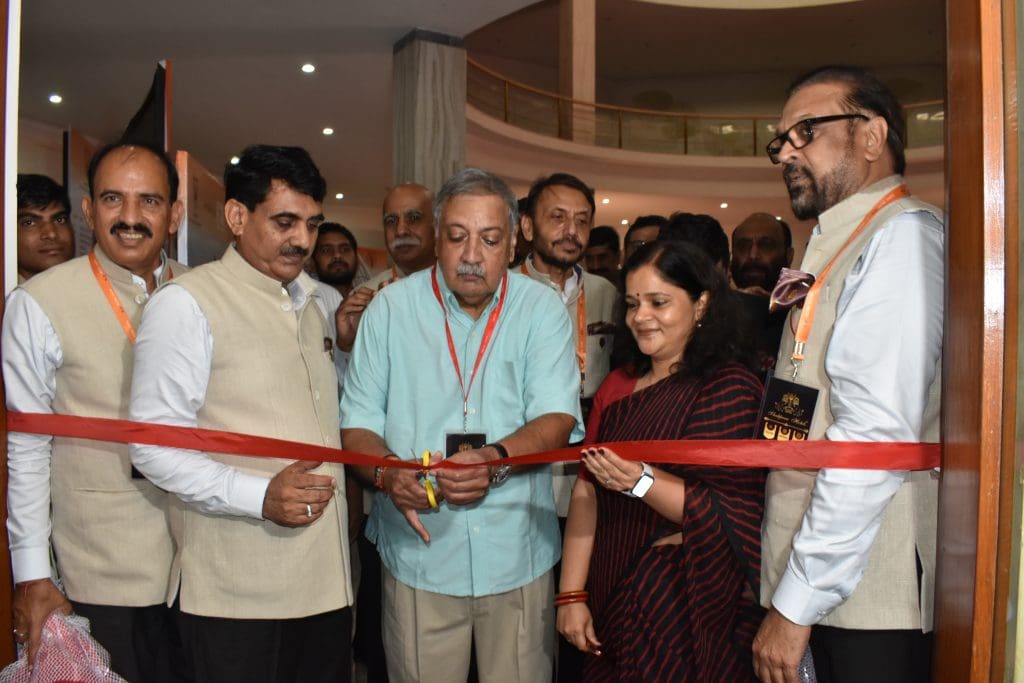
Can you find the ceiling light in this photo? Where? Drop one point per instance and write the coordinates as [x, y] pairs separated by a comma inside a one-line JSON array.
[[328, 131], [724, 205], [55, 98], [340, 195], [606, 201], [234, 161], [625, 222], [308, 68]]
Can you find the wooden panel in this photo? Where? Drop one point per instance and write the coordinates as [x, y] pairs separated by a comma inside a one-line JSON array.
[[973, 352], [1007, 528], [6, 622]]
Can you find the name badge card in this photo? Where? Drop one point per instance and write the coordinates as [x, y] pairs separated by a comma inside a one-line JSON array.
[[786, 411], [457, 442]]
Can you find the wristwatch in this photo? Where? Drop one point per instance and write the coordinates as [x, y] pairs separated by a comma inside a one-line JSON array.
[[643, 484], [500, 472]]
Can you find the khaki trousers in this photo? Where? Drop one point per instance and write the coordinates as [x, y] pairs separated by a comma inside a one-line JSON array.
[[427, 636]]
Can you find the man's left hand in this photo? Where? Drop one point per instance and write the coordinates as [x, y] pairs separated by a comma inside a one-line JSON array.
[[778, 647], [463, 485]]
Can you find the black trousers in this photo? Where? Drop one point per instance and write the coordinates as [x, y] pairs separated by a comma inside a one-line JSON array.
[[142, 641], [368, 643], [853, 656], [314, 649]]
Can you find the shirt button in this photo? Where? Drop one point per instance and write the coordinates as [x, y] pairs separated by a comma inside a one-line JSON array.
[[476, 530], [286, 307], [140, 299], [471, 411], [316, 395]]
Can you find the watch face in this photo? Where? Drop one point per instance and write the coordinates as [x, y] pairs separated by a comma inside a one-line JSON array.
[[643, 485], [501, 473]]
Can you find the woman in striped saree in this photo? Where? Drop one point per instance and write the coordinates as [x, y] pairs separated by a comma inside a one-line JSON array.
[[661, 562]]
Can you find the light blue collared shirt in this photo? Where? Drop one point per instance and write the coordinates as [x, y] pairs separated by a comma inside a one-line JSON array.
[[401, 384]]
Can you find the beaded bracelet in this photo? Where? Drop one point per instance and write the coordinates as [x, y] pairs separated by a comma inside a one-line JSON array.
[[379, 470]]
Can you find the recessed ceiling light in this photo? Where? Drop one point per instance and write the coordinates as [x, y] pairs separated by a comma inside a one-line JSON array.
[[625, 222], [55, 98], [234, 161], [340, 195], [724, 205], [606, 201], [308, 68], [328, 131]]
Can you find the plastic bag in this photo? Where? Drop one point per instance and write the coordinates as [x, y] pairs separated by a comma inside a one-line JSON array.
[[67, 654], [804, 672]]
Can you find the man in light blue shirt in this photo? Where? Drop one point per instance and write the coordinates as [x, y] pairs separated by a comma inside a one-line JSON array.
[[468, 361]]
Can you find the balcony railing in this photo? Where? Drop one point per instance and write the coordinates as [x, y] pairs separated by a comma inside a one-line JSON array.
[[644, 130]]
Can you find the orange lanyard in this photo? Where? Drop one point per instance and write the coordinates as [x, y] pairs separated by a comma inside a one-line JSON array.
[[581, 325], [115, 304], [492, 322], [803, 329]]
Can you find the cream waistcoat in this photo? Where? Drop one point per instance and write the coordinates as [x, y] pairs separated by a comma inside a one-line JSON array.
[[271, 375], [110, 532], [888, 596]]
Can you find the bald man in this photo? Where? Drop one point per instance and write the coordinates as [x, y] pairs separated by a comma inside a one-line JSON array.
[[762, 245], [408, 221]]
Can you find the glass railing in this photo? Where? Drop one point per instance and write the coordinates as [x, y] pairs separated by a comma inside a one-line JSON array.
[[644, 130]]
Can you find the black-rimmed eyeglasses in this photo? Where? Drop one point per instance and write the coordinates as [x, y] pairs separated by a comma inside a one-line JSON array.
[[801, 133]]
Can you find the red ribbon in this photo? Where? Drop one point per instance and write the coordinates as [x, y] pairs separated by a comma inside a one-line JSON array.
[[731, 453]]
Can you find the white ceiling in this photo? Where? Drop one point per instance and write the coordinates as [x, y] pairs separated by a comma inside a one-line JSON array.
[[236, 77]]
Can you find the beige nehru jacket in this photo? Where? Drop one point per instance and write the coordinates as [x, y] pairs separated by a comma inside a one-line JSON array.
[[270, 376], [110, 532], [888, 596]]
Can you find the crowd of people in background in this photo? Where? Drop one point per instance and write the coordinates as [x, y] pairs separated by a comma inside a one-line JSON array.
[[503, 327]]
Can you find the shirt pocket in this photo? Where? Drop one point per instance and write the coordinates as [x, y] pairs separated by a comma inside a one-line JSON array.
[[504, 394]]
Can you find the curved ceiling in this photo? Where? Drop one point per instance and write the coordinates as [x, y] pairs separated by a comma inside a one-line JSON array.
[[747, 4], [642, 41], [237, 79]]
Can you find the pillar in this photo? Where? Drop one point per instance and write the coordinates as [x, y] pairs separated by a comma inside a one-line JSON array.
[[429, 105]]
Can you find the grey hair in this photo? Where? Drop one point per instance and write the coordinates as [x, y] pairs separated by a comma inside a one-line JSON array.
[[476, 181]]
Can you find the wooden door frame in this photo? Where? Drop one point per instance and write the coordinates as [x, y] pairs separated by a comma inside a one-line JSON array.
[[6, 620], [979, 356]]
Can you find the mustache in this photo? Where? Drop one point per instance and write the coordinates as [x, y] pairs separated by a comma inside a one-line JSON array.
[[410, 241], [790, 171], [138, 227], [474, 269], [294, 251], [570, 239]]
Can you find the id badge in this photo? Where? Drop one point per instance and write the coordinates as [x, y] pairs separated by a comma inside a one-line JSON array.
[[457, 442], [786, 411]]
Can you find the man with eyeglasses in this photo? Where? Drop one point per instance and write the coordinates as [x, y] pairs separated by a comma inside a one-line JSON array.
[[848, 556]]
